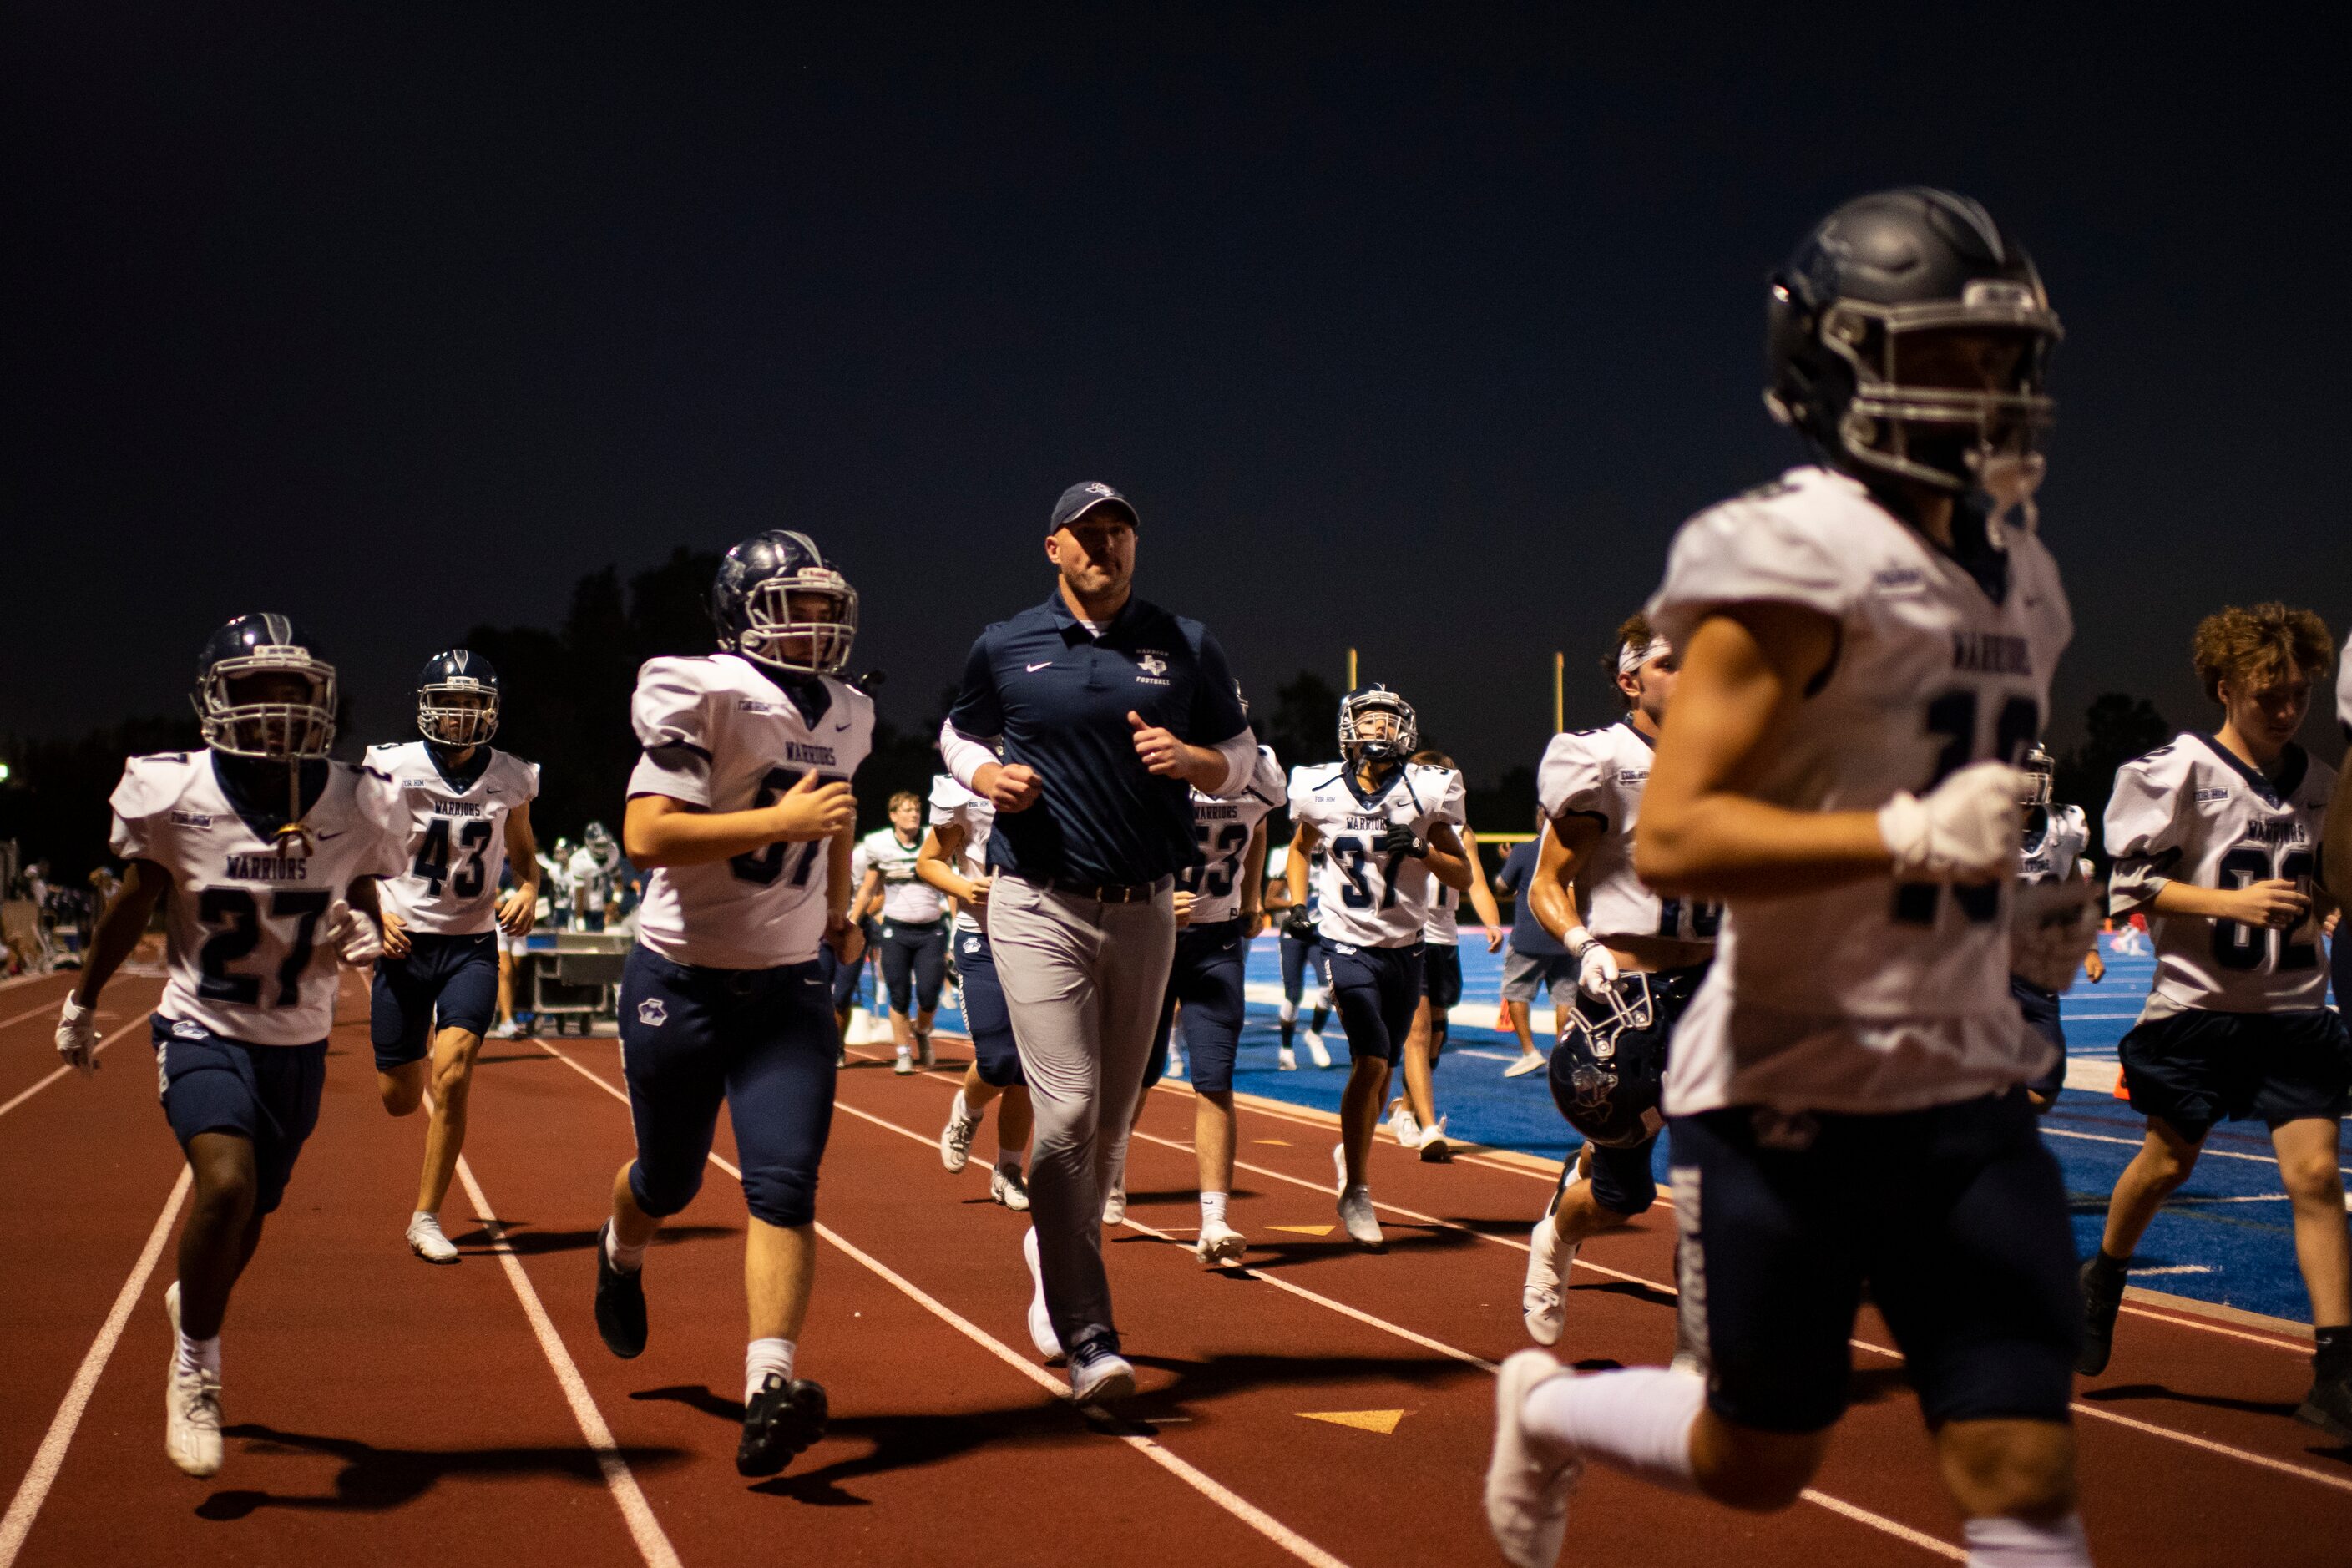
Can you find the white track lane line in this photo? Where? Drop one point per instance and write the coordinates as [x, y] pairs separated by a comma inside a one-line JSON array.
[[652, 1543], [50, 1456], [1835, 1505], [15, 1020], [1216, 1491], [138, 1023]]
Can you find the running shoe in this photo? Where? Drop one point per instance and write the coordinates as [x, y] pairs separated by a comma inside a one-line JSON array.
[[1115, 1205], [955, 1141], [1402, 1125], [2328, 1405], [923, 1050], [1529, 1061], [507, 1030], [2102, 1299], [1175, 1063], [1529, 1478], [1220, 1246], [620, 1303], [905, 1065], [1285, 1059], [779, 1421], [1435, 1148], [425, 1240], [1041, 1323], [1098, 1374], [1007, 1186], [191, 1406], [1541, 1301], [1314, 1051]]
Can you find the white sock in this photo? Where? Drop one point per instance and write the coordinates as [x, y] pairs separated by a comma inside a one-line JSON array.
[[424, 1213], [627, 1259], [1289, 1013], [2021, 1544], [200, 1355], [960, 1112], [1212, 1209], [762, 1357], [1638, 1419]]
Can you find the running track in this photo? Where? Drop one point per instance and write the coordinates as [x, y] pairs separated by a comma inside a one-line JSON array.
[[471, 1416]]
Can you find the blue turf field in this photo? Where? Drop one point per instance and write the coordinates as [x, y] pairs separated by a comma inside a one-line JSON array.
[[2224, 1238]]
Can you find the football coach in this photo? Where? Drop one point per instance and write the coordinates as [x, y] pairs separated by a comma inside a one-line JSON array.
[[1086, 721]]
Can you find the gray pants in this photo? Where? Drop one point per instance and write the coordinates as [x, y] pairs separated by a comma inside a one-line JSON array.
[[1083, 982]]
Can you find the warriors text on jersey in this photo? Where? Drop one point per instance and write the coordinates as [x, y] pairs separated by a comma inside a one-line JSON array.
[[1369, 898], [906, 898], [1221, 825], [245, 950], [456, 835], [2193, 812], [2055, 854], [1867, 997], [952, 805], [719, 733], [1600, 773]]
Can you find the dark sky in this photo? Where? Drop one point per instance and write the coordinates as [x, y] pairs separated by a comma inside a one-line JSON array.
[[1417, 333]]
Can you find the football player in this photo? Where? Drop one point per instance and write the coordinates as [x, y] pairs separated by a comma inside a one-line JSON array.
[[1414, 1118], [268, 855], [1639, 958], [913, 940], [1302, 957], [1384, 827], [2052, 851], [2217, 838], [954, 859], [1867, 650], [468, 817], [741, 806]]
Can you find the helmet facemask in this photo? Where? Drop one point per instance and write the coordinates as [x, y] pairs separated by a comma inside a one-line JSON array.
[[458, 711], [1359, 744], [276, 703], [2041, 771], [803, 623]]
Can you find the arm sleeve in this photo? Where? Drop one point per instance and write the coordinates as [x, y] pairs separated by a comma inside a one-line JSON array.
[[1748, 551], [976, 711], [1217, 718], [964, 755], [1568, 781], [1240, 763], [2143, 833], [530, 772], [673, 724]]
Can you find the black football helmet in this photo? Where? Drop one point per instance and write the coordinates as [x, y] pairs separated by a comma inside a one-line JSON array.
[[457, 699], [2041, 776], [263, 691], [1844, 327], [752, 602], [1611, 1064], [1404, 731]]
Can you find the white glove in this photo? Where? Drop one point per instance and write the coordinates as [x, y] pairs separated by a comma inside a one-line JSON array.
[[1966, 830], [78, 1036], [2050, 926], [1596, 968], [354, 935]]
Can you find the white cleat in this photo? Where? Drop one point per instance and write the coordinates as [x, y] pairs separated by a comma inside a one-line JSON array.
[[1314, 1051], [425, 1240], [1433, 1146], [1041, 1323], [955, 1140], [1115, 1205], [1402, 1125], [1541, 1301], [1220, 1246], [1529, 1478], [191, 1406], [1007, 1186], [1285, 1059], [905, 1065]]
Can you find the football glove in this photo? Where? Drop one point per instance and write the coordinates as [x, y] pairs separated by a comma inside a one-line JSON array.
[[354, 935], [78, 1036], [1401, 840], [1596, 967], [1964, 830], [2050, 926]]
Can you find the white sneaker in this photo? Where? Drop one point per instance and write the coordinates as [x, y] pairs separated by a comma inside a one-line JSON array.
[[1115, 1205], [1285, 1059], [905, 1065], [1006, 1186], [1433, 1144], [1220, 1246], [506, 1031], [1356, 1215], [1314, 1051], [1098, 1375], [1041, 1323], [955, 1141], [1541, 1300], [1528, 1479], [1529, 1061], [425, 1240], [1402, 1124], [191, 1406]]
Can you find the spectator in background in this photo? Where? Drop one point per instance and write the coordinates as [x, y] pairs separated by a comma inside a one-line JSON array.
[[591, 867], [1534, 959]]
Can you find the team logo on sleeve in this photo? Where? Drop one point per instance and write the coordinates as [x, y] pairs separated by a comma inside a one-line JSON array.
[[652, 1014]]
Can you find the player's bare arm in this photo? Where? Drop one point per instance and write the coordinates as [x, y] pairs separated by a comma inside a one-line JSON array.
[[934, 863], [519, 907], [661, 830], [1447, 859], [1551, 892], [1254, 888], [1303, 844], [120, 927], [1481, 896], [2273, 903]]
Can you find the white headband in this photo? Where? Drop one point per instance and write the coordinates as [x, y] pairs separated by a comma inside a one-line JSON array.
[[1631, 658]]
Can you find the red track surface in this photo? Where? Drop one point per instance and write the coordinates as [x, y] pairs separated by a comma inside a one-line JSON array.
[[373, 1400]]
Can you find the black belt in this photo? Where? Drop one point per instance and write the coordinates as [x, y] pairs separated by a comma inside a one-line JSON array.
[[1104, 892]]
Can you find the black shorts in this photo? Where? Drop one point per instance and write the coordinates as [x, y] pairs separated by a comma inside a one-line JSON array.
[[1955, 1217], [985, 1017], [759, 1041], [1375, 990], [444, 983], [1206, 977], [914, 966], [268, 1095], [2194, 1068], [1441, 979], [2039, 1009]]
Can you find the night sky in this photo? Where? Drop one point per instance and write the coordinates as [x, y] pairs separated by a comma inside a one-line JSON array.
[[1420, 333]]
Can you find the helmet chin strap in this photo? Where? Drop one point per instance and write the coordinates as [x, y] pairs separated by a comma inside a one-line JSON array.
[[293, 841], [2010, 480]]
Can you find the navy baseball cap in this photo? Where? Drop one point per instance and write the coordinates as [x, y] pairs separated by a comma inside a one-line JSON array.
[[1082, 499]]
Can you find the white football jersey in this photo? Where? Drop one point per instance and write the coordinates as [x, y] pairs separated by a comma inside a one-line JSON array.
[[719, 733], [1222, 825], [1443, 924], [2191, 812], [457, 835], [1867, 997], [1366, 899], [906, 898], [954, 805], [2055, 855], [2344, 687], [243, 949], [1600, 773]]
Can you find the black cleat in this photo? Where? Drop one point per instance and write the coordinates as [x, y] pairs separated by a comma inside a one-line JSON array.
[[779, 1421], [2328, 1405], [2102, 1299], [620, 1304]]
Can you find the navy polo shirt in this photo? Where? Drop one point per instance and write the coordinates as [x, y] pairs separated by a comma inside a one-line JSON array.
[[1060, 696], [1527, 934]]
